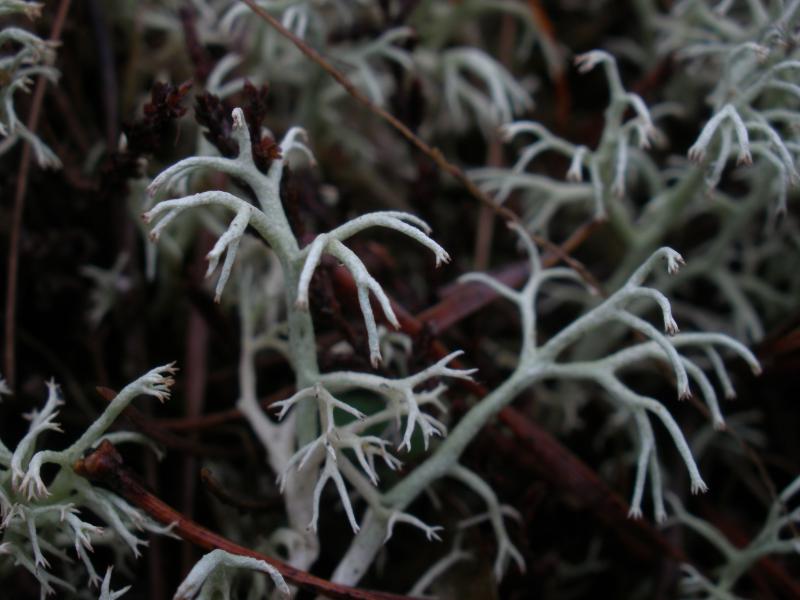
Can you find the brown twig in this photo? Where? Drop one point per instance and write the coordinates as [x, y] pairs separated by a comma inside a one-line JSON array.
[[494, 155], [557, 71], [431, 152], [105, 465], [19, 207], [105, 56], [151, 428], [226, 497], [68, 115], [197, 336], [212, 420]]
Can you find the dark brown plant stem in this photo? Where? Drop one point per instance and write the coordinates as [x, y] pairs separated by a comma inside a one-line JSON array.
[[105, 465], [213, 420], [68, 115], [150, 427], [271, 503], [105, 56], [196, 378], [431, 152], [486, 223], [10, 365], [494, 155], [156, 582], [558, 76]]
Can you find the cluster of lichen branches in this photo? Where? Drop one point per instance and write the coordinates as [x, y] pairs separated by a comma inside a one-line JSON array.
[[317, 436]]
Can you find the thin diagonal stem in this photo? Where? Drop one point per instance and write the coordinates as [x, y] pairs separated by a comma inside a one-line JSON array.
[[10, 366]]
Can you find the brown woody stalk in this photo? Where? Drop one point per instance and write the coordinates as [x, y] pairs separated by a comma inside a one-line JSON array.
[[19, 207]]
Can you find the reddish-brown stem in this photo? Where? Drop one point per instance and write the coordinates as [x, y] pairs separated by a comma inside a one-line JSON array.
[[68, 115], [105, 465], [211, 420], [196, 375], [226, 497], [151, 428], [10, 365], [494, 156], [105, 56], [546, 27]]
